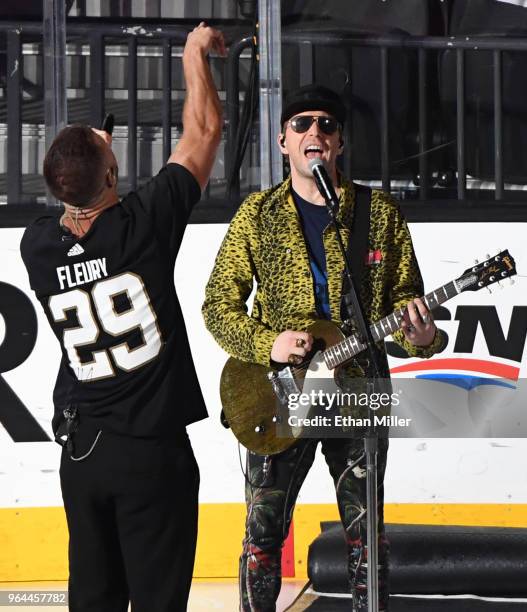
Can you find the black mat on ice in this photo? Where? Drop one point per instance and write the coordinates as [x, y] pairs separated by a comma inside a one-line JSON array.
[[410, 604], [425, 559]]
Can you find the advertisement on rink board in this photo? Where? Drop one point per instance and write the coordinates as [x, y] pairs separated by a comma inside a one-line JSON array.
[[486, 341]]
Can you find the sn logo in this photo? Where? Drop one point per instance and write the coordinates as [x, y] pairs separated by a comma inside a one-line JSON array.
[[469, 317]]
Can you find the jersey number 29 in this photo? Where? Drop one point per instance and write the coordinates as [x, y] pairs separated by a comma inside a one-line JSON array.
[[139, 316]]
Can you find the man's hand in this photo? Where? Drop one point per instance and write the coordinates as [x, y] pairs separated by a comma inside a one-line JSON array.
[[418, 326], [291, 347], [204, 38]]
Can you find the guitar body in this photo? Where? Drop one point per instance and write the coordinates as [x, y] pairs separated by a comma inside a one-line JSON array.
[[249, 401]]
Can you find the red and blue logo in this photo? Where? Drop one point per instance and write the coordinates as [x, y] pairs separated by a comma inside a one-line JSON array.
[[466, 373]]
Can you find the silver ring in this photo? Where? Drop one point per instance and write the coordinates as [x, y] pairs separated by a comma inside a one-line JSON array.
[[426, 319], [411, 328]]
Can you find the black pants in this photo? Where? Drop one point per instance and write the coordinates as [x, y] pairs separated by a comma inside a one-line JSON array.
[[132, 510], [271, 500]]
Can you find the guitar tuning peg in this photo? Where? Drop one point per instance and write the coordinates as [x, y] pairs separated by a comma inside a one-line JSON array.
[[476, 261], [500, 285], [489, 290], [487, 256], [511, 281]]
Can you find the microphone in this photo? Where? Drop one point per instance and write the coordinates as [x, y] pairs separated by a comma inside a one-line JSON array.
[[107, 124], [324, 183]]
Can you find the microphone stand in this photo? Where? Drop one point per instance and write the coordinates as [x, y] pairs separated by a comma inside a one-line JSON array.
[[355, 312]]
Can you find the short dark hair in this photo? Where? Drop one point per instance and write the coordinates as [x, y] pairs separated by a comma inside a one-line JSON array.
[[74, 166]]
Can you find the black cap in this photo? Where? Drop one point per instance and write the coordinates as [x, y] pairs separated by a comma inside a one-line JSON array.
[[313, 97]]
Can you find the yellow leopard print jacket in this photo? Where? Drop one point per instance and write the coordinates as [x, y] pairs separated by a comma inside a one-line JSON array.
[[265, 244]]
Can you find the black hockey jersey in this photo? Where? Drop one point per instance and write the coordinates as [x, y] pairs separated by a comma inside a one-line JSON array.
[[110, 298]]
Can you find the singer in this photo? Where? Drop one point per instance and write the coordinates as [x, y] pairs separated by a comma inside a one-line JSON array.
[[281, 240], [126, 387]]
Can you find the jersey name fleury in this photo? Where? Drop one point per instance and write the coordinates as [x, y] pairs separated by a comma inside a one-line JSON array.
[[82, 272]]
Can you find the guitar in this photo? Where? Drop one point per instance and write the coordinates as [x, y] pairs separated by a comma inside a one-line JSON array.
[[250, 392]]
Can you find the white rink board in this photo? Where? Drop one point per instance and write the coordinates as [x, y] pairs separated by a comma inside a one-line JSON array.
[[419, 471]]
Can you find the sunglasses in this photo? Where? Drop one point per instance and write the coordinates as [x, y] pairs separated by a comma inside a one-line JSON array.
[[301, 124]]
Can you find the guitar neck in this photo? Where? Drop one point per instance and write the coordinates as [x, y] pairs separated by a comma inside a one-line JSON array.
[[349, 347]]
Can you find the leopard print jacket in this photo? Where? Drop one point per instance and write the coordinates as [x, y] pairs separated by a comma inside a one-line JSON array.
[[265, 245]]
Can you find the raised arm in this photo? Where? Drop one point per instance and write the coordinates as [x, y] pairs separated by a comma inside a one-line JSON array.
[[202, 114]]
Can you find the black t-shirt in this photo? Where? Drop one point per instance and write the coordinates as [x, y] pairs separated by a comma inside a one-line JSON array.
[[110, 299], [314, 219]]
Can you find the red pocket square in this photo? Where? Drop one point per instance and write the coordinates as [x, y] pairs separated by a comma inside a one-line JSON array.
[[373, 258]]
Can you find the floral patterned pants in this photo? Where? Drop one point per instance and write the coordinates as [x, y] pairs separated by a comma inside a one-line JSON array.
[[271, 490]]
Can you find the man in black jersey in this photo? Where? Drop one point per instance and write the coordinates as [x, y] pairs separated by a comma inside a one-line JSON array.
[[126, 387], [281, 240]]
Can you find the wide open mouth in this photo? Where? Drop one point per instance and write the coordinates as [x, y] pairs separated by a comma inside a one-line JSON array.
[[313, 151]]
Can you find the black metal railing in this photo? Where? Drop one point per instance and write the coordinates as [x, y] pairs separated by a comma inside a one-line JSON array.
[[14, 124], [171, 35], [307, 41], [166, 36]]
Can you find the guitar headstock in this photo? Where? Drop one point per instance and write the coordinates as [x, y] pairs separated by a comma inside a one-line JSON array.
[[488, 272]]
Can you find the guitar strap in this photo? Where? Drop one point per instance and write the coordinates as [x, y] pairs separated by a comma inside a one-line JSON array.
[[358, 243]]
